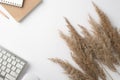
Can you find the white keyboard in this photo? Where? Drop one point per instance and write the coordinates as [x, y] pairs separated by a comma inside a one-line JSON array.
[[11, 65]]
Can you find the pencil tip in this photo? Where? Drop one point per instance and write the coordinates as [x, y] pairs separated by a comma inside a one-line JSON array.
[[4, 14]]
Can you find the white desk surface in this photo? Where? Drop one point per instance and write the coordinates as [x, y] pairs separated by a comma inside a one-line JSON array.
[[37, 38]]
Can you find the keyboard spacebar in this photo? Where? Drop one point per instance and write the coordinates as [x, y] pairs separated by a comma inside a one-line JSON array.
[[10, 77]]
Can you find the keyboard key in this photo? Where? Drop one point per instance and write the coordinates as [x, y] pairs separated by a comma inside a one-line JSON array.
[[4, 63], [3, 68], [3, 73], [19, 66], [4, 57], [9, 60], [8, 54], [7, 70], [22, 63], [10, 77], [13, 74], [13, 62], [18, 60], [9, 65], [18, 71], [13, 68]]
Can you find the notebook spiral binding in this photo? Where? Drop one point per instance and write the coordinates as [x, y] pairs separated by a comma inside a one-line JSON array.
[[11, 3]]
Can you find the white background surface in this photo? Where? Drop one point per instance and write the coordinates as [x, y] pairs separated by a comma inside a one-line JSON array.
[[37, 38]]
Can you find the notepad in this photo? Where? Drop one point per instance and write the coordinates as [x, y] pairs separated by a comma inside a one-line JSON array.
[[17, 3], [19, 13]]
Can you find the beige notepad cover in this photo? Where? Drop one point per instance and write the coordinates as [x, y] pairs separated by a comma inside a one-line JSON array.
[[19, 13]]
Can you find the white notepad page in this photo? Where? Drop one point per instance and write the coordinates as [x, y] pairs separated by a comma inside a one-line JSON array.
[[18, 3]]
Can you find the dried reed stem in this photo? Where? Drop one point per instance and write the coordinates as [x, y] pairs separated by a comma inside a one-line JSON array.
[[73, 73], [110, 30]]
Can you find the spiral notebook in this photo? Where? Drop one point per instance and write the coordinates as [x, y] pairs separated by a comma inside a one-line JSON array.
[[17, 3], [19, 13]]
